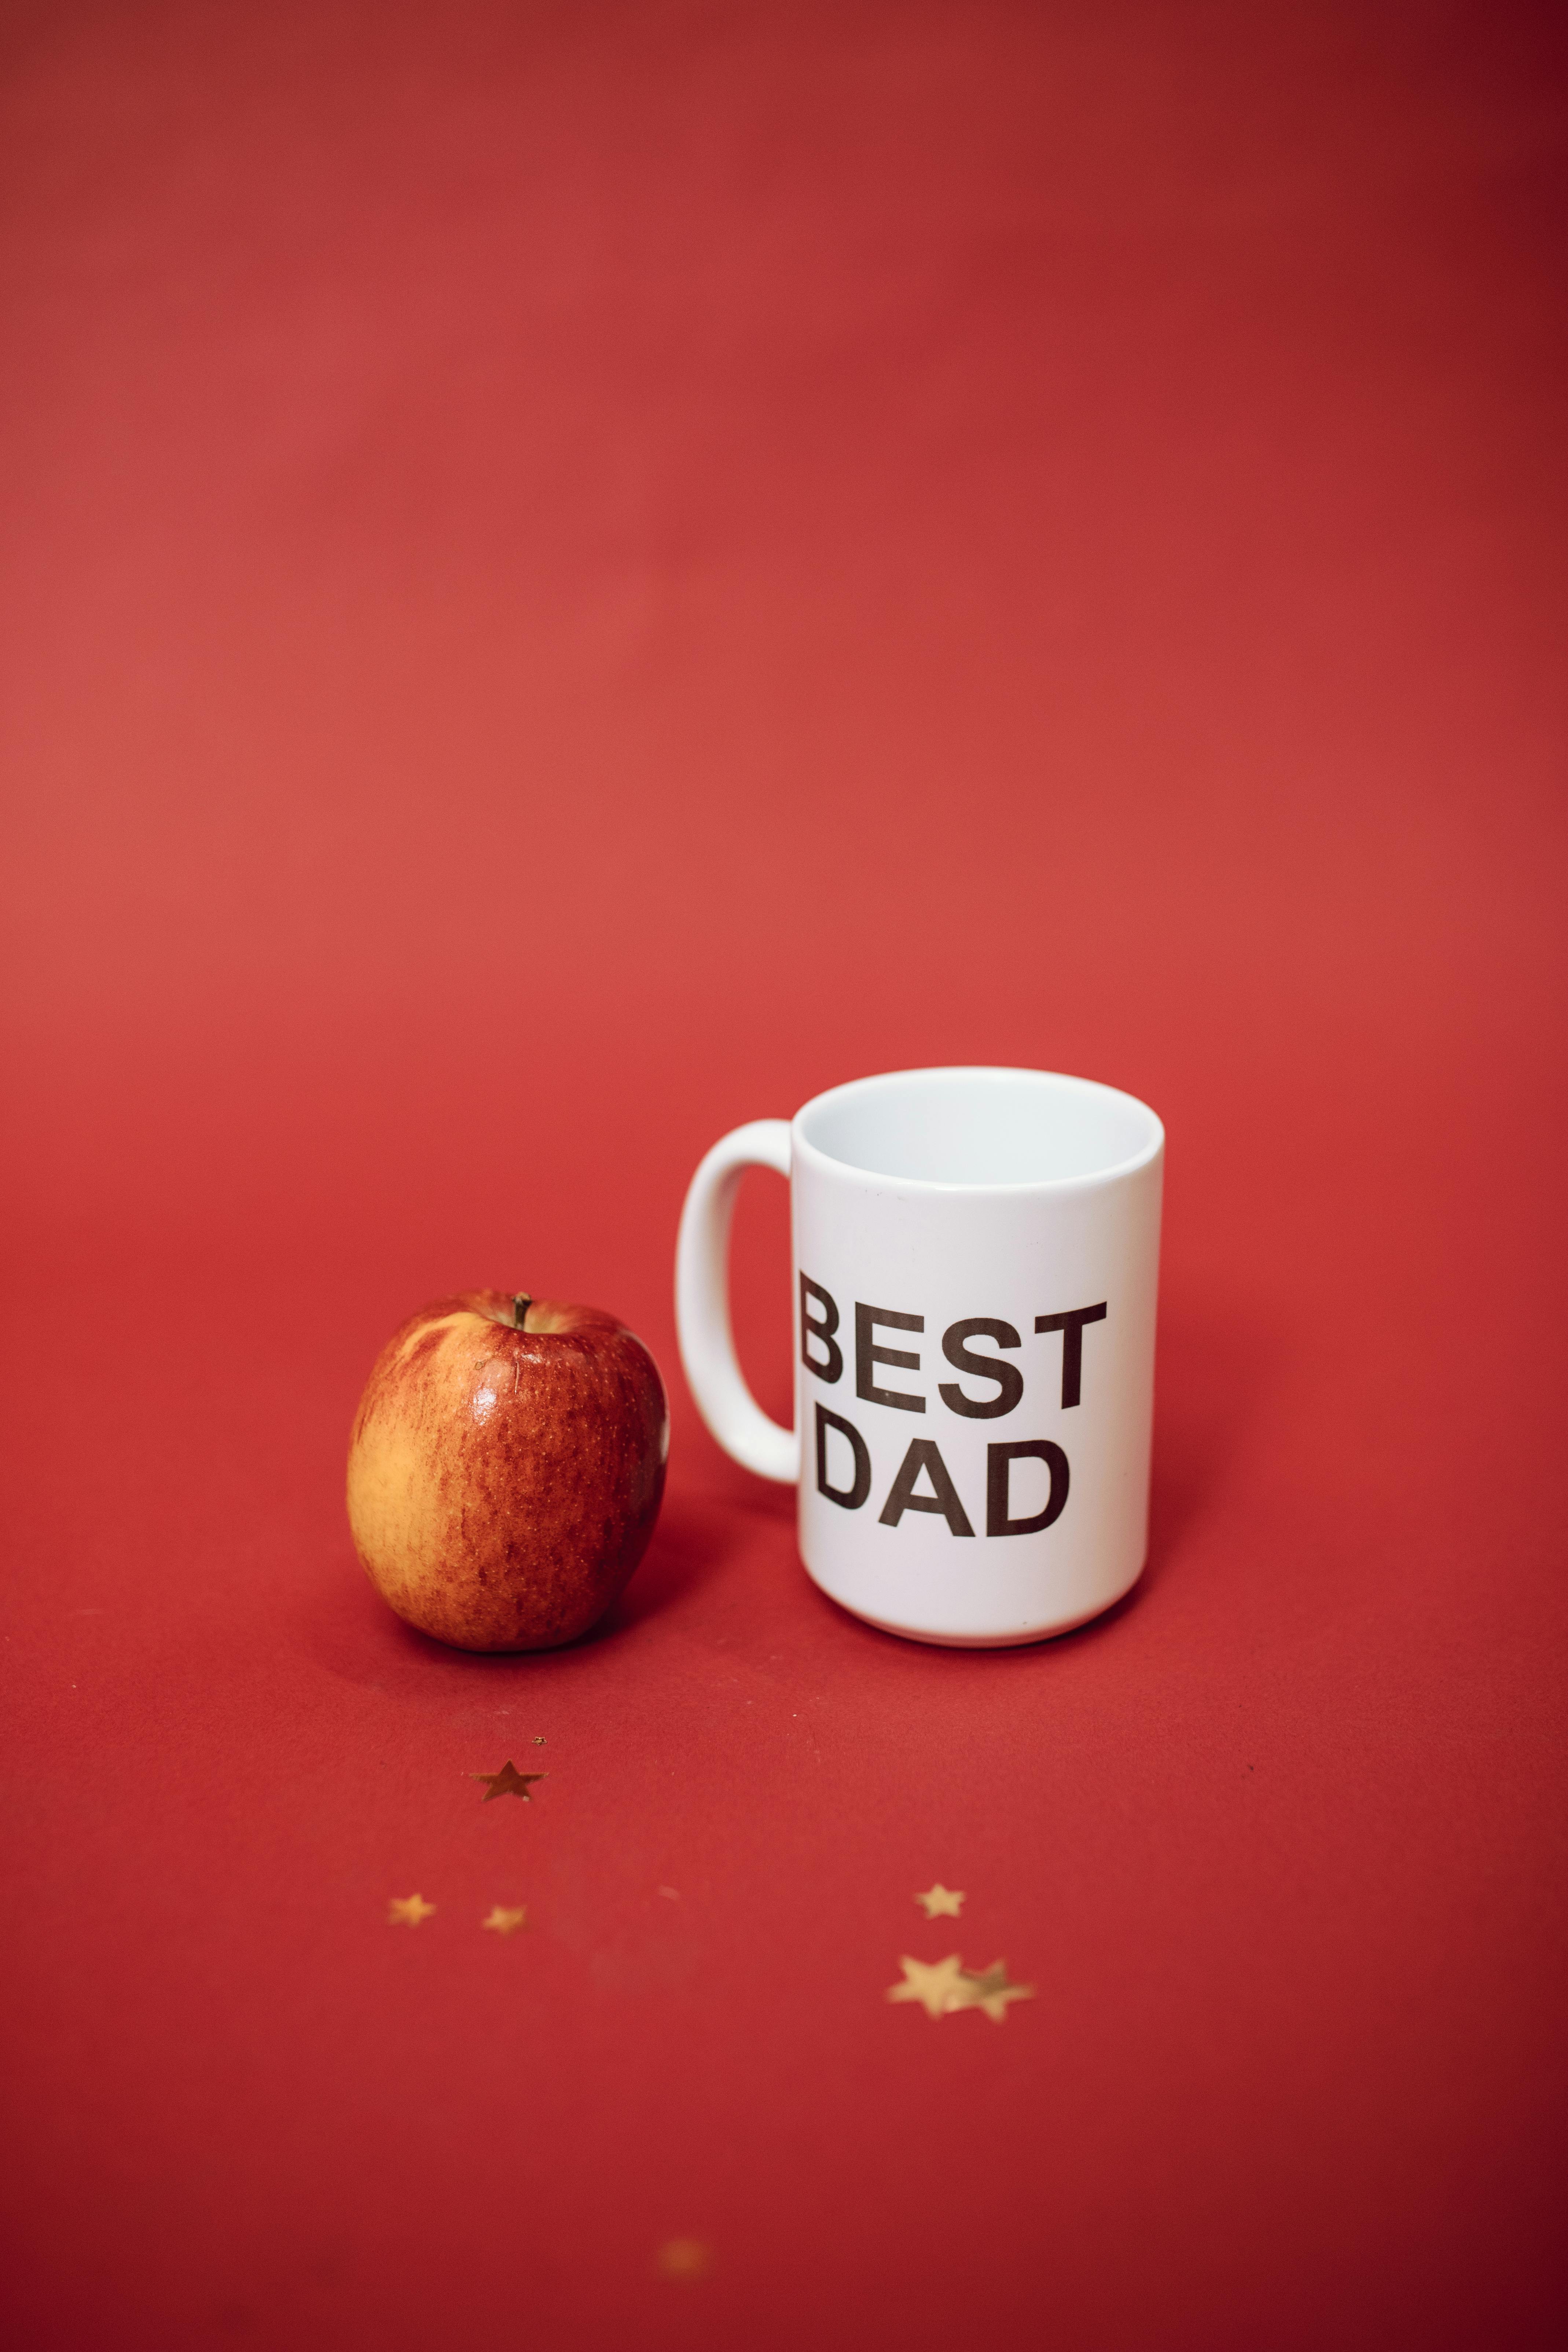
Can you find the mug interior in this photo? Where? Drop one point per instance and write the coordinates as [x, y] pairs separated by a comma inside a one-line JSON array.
[[981, 1127]]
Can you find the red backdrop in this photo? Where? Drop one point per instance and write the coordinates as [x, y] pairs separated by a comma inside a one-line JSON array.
[[573, 575]]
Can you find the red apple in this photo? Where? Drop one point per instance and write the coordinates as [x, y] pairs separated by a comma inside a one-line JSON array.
[[506, 1468]]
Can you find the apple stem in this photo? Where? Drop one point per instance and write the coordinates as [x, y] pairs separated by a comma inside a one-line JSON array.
[[521, 1303]]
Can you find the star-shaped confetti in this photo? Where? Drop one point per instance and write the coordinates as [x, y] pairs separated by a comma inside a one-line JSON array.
[[940, 1902], [948, 1987], [507, 1783], [685, 2258], [989, 1988], [408, 1910], [939, 1988], [503, 1922]]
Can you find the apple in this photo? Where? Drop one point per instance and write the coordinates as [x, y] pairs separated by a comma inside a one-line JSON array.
[[506, 1468]]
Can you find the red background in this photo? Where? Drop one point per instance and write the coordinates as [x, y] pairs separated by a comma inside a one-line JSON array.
[[575, 574]]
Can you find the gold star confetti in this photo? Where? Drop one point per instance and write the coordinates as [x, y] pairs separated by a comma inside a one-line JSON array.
[[685, 2258], [507, 1783], [938, 1989], [948, 1987], [503, 1922], [988, 1989], [940, 1902], [408, 1910]]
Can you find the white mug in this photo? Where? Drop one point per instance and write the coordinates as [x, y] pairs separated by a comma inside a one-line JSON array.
[[975, 1254]]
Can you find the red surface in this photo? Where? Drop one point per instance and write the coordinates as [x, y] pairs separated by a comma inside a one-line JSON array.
[[575, 575]]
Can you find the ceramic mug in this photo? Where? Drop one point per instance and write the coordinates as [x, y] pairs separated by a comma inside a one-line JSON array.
[[975, 1256]]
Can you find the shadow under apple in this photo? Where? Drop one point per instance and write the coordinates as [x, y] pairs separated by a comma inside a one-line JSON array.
[[360, 1640]]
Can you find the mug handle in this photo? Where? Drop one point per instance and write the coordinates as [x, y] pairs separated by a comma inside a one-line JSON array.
[[702, 1303]]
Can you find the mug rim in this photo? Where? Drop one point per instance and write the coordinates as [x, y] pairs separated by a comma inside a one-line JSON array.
[[803, 1145]]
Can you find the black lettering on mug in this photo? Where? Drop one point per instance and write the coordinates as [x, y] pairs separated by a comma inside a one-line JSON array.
[[1009, 1380], [867, 1354], [853, 1494], [821, 1327], [999, 1461], [943, 1496], [1070, 1326]]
